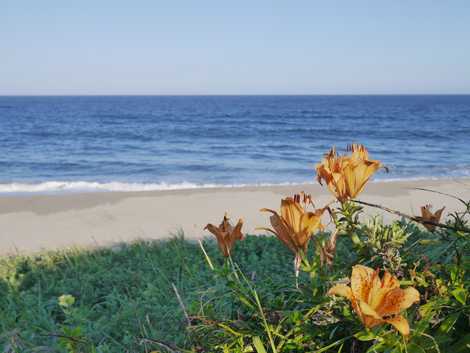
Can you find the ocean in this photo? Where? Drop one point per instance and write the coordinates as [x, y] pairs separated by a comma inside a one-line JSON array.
[[130, 143]]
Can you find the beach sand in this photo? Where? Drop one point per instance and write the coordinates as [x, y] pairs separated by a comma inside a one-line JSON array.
[[45, 222]]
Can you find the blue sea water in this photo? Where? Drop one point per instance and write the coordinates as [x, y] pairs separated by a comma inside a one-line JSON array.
[[165, 142]]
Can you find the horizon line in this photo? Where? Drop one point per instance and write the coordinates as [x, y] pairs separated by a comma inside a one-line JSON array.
[[231, 94]]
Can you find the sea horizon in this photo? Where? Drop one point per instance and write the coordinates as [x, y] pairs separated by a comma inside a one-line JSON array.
[[233, 95]]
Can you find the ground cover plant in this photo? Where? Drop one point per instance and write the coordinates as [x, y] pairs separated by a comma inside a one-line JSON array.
[[360, 286], [122, 295]]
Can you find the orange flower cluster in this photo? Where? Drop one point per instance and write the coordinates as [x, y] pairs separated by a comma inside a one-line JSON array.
[[346, 176], [377, 300], [294, 225]]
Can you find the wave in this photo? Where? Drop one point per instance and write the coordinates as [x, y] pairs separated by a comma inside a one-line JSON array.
[[87, 186]]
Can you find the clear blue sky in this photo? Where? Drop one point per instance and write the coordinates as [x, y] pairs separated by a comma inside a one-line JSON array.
[[234, 47]]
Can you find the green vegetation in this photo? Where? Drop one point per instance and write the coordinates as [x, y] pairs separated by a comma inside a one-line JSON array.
[[122, 294], [122, 299]]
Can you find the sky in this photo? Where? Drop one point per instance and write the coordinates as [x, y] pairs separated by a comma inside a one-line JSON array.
[[234, 47]]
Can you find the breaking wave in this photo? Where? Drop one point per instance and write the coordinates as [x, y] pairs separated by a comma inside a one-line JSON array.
[[85, 186], [54, 187]]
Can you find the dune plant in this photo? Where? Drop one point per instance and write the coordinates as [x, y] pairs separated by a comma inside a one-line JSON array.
[[414, 299]]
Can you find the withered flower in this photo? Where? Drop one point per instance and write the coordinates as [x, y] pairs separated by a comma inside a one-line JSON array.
[[428, 215], [377, 300], [295, 225], [226, 234], [328, 250], [346, 176]]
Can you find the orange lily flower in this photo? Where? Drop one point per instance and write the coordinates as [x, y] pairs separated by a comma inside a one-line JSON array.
[[346, 176], [377, 300], [294, 226], [428, 215], [226, 234]]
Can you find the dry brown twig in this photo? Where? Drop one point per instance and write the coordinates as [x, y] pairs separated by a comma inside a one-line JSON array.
[[180, 301], [412, 218]]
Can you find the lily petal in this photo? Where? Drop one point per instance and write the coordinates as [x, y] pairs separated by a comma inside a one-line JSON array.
[[341, 290], [367, 310], [411, 296], [292, 212], [438, 214], [377, 291], [282, 231], [401, 324], [237, 231], [216, 231], [361, 282], [221, 239], [390, 281], [391, 303]]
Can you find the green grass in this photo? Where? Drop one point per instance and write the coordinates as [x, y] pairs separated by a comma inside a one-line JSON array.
[[123, 294], [125, 301]]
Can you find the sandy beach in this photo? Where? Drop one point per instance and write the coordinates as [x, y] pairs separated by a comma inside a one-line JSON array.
[[45, 222]]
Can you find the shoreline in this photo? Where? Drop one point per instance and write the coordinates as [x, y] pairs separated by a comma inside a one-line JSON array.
[[58, 187], [33, 222]]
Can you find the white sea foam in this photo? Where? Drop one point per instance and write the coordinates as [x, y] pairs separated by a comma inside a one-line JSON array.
[[54, 187], [85, 186]]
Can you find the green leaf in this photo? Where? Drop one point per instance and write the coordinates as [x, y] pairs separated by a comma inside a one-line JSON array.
[[229, 329], [448, 323], [460, 294], [246, 301], [429, 241], [258, 345], [365, 336]]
